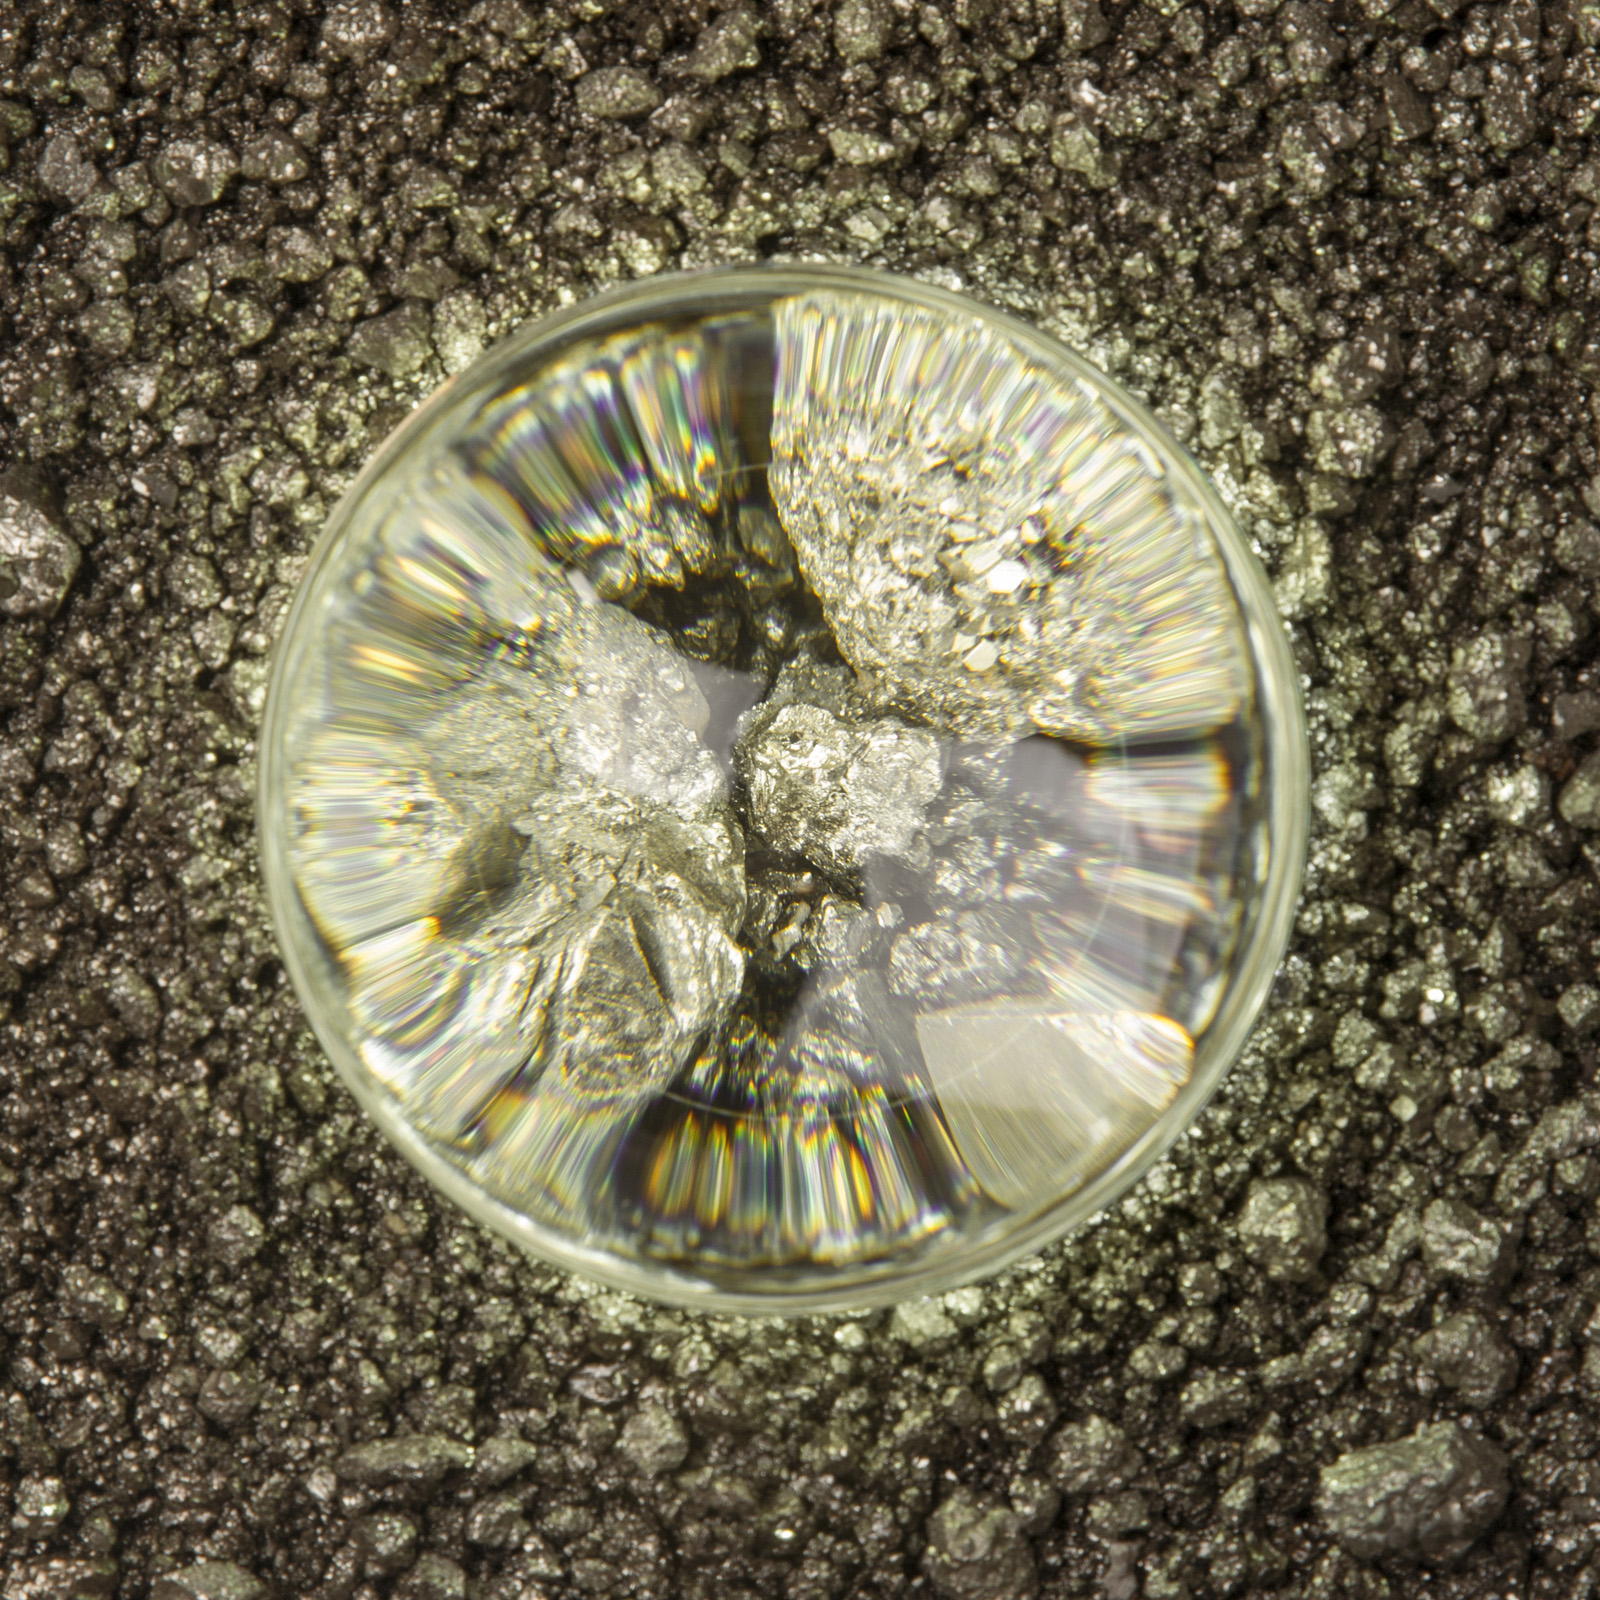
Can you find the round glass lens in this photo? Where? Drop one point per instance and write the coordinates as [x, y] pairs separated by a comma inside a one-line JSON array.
[[782, 788]]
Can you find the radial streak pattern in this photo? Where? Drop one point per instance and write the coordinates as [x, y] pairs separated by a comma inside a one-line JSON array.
[[990, 543], [767, 791]]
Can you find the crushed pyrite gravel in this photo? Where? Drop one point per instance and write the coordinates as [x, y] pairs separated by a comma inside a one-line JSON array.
[[1349, 250]]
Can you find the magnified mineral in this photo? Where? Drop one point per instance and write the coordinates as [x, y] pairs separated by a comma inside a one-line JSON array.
[[991, 544], [1037, 1095], [539, 879], [836, 793], [768, 790], [620, 457]]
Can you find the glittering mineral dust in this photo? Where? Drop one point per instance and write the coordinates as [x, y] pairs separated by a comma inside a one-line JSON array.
[[768, 787]]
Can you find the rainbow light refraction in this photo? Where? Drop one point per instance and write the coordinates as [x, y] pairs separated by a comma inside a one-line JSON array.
[[768, 790]]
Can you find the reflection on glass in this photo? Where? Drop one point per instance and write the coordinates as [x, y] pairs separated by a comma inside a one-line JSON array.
[[770, 793]]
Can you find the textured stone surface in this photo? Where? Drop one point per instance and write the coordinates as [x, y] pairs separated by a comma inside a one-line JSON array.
[[835, 793], [978, 1551], [1237, 211], [1284, 1227], [38, 560], [1430, 1495]]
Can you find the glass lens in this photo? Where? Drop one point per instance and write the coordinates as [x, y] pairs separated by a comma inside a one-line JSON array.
[[782, 788]]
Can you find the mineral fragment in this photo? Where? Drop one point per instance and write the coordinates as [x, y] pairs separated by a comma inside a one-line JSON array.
[[978, 1551], [835, 793], [994, 548], [538, 884], [38, 559], [1430, 1495], [1467, 1353], [1284, 1227]]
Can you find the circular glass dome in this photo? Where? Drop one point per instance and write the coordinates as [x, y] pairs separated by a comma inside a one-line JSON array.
[[782, 788]]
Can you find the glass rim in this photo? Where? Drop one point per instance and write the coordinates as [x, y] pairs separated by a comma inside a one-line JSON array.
[[1286, 758]]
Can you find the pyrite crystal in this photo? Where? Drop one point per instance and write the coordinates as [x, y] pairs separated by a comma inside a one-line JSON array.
[[782, 788]]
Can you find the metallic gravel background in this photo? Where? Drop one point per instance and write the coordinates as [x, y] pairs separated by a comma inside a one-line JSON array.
[[1347, 249]]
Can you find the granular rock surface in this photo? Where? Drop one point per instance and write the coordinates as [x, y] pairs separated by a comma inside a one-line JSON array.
[[1348, 249]]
